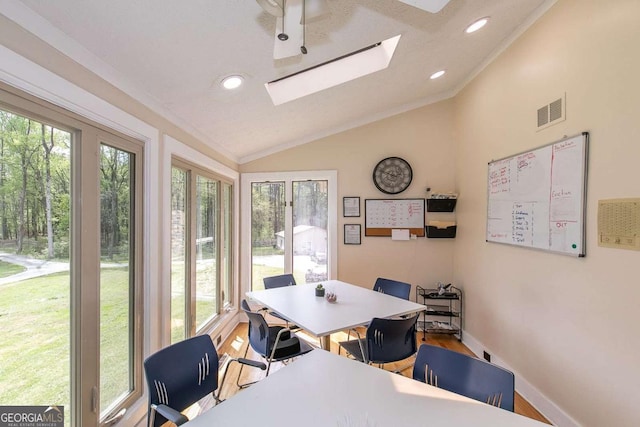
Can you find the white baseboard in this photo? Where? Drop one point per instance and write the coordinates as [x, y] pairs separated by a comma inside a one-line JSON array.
[[537, 399]]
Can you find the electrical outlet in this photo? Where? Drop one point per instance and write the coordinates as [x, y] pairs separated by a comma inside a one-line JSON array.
[[487, 356]]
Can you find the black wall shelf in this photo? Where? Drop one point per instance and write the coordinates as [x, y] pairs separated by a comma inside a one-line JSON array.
[[441, 205]]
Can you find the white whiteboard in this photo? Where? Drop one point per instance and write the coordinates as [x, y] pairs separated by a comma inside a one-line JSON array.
[[384, 215], [536, 199]]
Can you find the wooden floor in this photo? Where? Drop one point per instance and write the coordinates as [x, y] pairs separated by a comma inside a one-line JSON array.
[[236, 344]]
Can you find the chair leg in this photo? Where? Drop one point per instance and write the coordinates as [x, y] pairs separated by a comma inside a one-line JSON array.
[[245, 385], [407, 366], [268, 367], [216, 396], [348, 338]]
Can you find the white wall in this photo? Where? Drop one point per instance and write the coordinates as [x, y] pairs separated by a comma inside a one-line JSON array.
[[567, 325]]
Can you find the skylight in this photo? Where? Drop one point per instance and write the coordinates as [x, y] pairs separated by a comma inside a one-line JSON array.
[[340, 70]]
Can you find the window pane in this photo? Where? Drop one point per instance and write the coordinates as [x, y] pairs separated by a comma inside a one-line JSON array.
[[179, 232], [310, 208], [206, 250], [116, 276], [35, 289], [227, 260], [267, 231]]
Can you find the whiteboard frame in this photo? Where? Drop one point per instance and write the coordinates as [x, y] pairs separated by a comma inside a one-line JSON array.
[[583, 196]]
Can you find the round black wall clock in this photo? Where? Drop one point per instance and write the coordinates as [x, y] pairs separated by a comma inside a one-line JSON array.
[[392, 175]]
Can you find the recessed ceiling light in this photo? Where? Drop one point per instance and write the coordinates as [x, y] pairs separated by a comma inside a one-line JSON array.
[[477, 25], [232, 82], [437, 74]]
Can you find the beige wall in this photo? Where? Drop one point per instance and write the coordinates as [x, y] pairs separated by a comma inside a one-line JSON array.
[[424, 137], [567, 325]]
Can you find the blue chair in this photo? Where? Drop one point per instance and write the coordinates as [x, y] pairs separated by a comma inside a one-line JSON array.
[[392, 287], [180, 375], [465, 375], [273, 343], [386, 341], [280, 281]]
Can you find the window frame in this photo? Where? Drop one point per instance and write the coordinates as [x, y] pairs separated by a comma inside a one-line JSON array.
[[25, 77], [136, 340], [192, 171], [87, 137]]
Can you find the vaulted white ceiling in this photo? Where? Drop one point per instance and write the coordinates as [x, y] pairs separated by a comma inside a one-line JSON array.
[[172, 54]]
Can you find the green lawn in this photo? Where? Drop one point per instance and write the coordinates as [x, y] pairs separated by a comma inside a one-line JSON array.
[[114, 334], [35, 339], [35, 336], [8, 269]]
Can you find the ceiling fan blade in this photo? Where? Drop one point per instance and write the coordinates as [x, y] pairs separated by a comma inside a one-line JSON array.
[[272, 7], [315, 10], [292, 28], [433, 6]]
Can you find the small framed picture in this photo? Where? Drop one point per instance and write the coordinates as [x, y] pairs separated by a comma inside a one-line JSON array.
[[351, 206], [352, 233]]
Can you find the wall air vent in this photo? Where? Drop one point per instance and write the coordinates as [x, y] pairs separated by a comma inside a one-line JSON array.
[[543, 116], [552, 113]]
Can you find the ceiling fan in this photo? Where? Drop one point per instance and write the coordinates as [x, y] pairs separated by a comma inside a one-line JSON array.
[[293, 15]]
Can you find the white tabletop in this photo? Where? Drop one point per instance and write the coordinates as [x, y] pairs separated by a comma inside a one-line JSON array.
[[325, 390], [355, 306]]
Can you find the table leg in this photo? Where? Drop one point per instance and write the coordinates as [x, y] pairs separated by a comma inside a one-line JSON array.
[[325, 342]]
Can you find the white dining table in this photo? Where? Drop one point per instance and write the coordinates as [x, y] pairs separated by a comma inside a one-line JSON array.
[[322, 389], [355, 306]]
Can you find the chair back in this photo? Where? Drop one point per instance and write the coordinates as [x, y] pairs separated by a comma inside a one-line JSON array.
[[181, 374], [391, 340], [465, 375], [264, 338], [392, 287], [258, 332], [279, 281]]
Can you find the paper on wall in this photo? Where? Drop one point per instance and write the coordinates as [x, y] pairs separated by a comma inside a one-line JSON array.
[[400, 234]]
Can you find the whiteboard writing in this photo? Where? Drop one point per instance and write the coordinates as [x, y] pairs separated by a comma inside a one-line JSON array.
[[536, 199], [383, 215], [391, 213]]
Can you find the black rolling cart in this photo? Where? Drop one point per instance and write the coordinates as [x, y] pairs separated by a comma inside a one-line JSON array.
[[443, 312]]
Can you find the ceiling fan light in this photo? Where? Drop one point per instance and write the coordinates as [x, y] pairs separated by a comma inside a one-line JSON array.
[[272, 7], [477, 25]]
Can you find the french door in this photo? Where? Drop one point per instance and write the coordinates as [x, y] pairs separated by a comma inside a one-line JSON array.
[[289, 226]]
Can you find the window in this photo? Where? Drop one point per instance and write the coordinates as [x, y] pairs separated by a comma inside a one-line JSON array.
[[70, 224], [201, 248], [118, 277]]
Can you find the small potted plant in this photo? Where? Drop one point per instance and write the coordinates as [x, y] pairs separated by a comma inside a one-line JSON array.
[[319, 290]]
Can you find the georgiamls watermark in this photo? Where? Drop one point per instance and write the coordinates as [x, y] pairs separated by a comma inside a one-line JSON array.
[[31, 416]]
